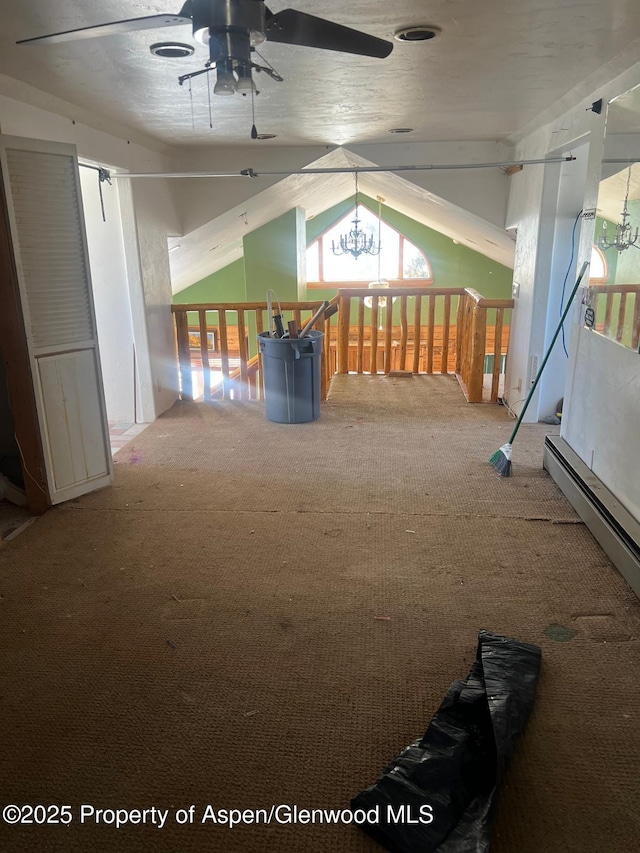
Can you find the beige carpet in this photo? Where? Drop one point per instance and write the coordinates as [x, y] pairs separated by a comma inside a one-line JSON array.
[[205, 631]]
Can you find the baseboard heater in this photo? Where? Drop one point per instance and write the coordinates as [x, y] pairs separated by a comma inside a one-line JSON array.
[[611, 524]]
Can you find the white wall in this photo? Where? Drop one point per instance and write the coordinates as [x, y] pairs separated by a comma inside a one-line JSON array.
[[600, 413], [151, 216], [111, 296], [566, 207], [605, 413]]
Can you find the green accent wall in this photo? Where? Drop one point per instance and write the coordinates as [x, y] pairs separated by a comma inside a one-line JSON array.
[[628, 262], [272, 254], [271, 257], [226, 285]]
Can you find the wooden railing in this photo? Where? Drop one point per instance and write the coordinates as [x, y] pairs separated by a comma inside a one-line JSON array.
[[209, 339], [476, 317], [439, 331], [617, 308], [412, 330]]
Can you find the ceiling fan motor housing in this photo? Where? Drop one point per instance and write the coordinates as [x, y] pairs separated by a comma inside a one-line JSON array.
[[230, 27]]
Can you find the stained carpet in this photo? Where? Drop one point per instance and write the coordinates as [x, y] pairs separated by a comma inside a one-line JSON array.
[[258, 614]]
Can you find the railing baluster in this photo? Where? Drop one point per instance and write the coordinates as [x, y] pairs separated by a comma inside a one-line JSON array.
[[204, 355], [621, 316], [417, 327], [260, 328], [242, 346], [459, 332], [388, 333], [374, 335], [327, 355], [404, 332], [184, 355], [446, 323], [224, 352], [431, 332], [297, 316], [607, 315], [497, 355], [635, 334], [360, 351], [343, 334]]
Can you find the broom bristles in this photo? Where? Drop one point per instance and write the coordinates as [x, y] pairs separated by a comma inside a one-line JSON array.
[[501, 460]]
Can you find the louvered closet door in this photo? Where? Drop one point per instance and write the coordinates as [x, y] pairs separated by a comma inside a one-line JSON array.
[[42, 188]]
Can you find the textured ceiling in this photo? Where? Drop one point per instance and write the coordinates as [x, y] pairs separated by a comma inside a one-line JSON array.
[[496, 66]]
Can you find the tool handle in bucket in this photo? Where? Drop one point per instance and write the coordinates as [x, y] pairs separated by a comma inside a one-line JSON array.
[[315, 317]]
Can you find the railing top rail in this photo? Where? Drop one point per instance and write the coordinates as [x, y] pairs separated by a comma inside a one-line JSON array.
[[615, 288], [243, 306], [400, 291], [483, 302]]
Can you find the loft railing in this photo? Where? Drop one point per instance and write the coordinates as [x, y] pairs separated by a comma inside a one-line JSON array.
[[217, 342], [416, 330], [617, 309], [423, 330]]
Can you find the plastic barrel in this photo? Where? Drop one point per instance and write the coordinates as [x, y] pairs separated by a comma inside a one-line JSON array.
[[292, 373]]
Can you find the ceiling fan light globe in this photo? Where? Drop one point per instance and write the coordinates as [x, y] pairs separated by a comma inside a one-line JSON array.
[[245, 86], [225, 85], [202, 35]]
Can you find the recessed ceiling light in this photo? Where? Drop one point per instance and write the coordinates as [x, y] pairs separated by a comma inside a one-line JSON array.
[[401, 130], [172, 50], [267, 136], [418, 32]]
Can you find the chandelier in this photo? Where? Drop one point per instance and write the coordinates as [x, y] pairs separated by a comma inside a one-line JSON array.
[[623, 237], [356, 242]]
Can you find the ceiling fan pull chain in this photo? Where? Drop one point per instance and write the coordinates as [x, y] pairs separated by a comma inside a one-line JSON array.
[[193, 118], [254, 129]]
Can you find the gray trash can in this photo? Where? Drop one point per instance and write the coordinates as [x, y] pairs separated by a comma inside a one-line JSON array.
[[292, 374]]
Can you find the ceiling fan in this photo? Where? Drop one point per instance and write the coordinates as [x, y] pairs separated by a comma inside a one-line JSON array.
[[232, 29]]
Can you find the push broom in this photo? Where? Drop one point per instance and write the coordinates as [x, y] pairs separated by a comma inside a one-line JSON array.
[[501, 459]]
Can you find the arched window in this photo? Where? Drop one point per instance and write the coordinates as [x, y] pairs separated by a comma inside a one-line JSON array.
[[598, 273], [400, 261]]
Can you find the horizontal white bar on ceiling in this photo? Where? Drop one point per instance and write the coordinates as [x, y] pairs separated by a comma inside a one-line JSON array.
[[346, 170]]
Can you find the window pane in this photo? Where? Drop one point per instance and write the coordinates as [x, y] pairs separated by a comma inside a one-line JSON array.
[[598, 267], [415, 263], [365, 268], [313, 265]]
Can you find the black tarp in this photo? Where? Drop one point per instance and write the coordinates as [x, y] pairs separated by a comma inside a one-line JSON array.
[[454, 771]]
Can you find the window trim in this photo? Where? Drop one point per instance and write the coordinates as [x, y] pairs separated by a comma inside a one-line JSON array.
[[400, 281]]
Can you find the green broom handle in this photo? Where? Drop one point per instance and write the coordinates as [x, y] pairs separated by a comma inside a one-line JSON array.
[[548, 352]]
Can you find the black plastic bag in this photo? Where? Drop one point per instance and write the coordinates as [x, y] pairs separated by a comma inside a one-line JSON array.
[[438, 795]]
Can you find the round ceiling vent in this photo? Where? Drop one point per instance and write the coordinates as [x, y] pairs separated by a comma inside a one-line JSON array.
[[263, 136], [172, 50], [401, 130], [418, 32]]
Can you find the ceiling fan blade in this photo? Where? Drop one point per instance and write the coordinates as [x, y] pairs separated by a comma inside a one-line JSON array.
[[291, 27], [150, 22]]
